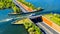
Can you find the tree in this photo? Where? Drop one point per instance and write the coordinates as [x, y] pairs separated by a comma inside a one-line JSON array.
[[1, 5], [31, 29], [14, 9]]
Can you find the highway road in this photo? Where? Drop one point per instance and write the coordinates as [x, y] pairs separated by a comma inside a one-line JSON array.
[[41, 25], [23, 10], [46, 28]]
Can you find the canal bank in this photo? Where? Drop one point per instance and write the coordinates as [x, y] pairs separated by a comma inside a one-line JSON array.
[[5, 24], [7, 28]]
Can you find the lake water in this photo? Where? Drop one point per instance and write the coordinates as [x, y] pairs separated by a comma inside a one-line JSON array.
[[5, 24], [48, 5], [5, 21]]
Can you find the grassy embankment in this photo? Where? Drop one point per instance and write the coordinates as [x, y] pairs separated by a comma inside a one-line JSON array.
[[54, 18], [30, 5], [7, 4], [30, 26]]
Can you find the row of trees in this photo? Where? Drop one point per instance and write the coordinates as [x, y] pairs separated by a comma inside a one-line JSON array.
[[1, 5], [30, 5], [7, 4], [31, 27]]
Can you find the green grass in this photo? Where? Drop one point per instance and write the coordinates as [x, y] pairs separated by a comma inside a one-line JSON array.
[[8, 4], [31, 27], [30, 5], [54, 18]]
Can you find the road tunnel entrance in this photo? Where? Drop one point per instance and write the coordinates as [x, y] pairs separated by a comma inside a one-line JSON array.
[[36, 19]]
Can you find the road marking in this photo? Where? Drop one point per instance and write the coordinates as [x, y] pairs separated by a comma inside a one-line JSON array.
[[50, 26], [44, 28]]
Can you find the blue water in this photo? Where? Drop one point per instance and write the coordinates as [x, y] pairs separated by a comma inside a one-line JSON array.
[[48, 5], [8, 28], [5, 24], [4, 13], [5, 21]]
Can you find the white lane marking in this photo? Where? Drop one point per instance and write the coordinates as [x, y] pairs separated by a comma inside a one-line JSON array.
[[44, 28], [50, 26]]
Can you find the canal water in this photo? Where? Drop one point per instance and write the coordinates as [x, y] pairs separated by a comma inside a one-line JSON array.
[[5, 21], [5, 24], [48, 5]]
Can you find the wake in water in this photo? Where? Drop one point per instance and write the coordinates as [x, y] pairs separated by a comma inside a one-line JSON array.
[[9, 19], [5, 20]]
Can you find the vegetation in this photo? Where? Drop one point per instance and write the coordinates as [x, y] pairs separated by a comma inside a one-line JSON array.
[[54, 17], [7, 4], [31, 27], [30, 5], [1, 5]]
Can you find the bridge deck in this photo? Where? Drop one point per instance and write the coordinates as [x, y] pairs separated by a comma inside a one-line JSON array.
[[42, 25]]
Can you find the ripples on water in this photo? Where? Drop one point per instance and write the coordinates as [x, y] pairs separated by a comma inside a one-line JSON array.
[[5, 24], [48, 5], [7, 28]]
